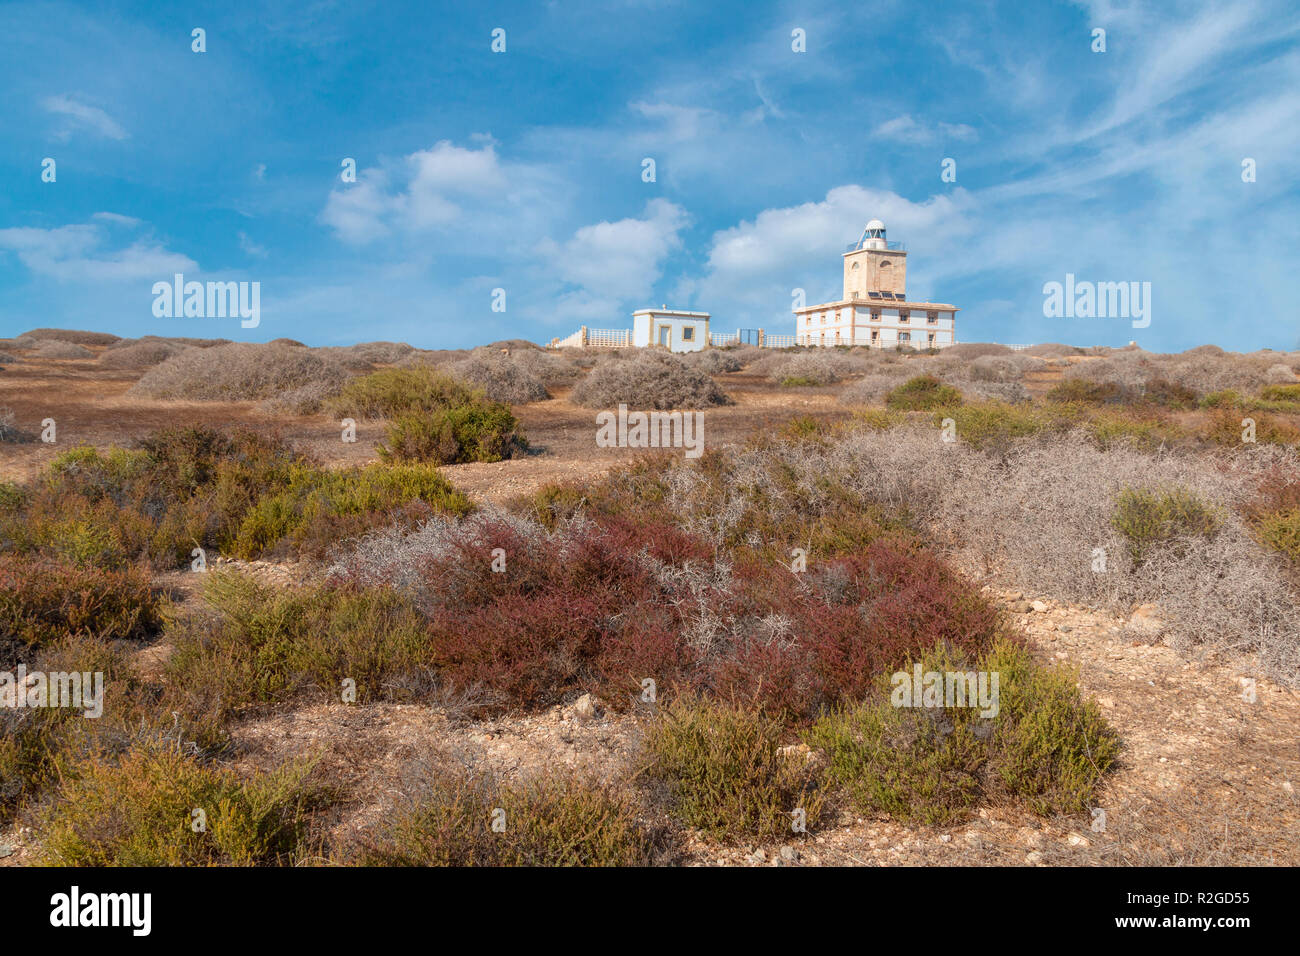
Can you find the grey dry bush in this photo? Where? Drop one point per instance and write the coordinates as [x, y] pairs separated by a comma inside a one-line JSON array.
[[647, 380], [715, 361], [294, 377], [814, 367], [1038, 513], [1204, 369], [364, 356], [7, 359], [1280, 374], [500, 378]]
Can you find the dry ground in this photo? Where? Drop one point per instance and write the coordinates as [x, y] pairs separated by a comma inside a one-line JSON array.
[[1206, 776]]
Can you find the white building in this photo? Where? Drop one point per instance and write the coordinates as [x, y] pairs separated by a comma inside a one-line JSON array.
[[670, 329], [875, 309]]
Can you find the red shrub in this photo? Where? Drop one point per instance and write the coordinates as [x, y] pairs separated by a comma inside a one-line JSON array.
[[850, 620]]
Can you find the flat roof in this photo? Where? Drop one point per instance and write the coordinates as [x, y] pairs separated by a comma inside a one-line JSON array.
[[880, 303], [691, 315]]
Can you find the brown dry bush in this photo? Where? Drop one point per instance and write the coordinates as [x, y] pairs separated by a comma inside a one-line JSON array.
[[1052, 350], [58, 349], [76, 337], [139, 355], [241, 372], [10, 432], [974, 350], [7, 359], [647, 380]]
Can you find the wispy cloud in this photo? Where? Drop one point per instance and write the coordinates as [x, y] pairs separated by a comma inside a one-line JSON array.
[[85, 116], [905, 129]]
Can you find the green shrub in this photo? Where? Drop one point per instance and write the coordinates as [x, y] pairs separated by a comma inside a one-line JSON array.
[[1110, 427], [1051, 746], [1225, 427], [922, 393], [1227, 398], [1155, 518], [393, 392], [915, 763], [722, 771], [1288, 394], [480, 431], [316, 508], [995, 425], [268, 645], [433, 417], [1087, 392], [139, 811], [551, 822], [188, 488], [43, 601], [1046, 746], [1160, 391]]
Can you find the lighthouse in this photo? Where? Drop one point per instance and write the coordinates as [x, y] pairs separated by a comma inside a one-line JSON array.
[[875, 309]]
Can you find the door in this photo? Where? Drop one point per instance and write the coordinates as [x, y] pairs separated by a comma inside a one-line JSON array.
[[666, 336]]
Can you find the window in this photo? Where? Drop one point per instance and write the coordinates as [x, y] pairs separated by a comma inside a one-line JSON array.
[[904, 315], [823, 318], [932, 317], [930, 338], [875, 315], [875, 336], [688, 333], [904, 336]]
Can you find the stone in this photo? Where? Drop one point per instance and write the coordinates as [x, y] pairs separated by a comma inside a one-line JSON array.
[[1074, 839], [1039, 606], [1145, 620], [1033, 858], [789, 854], [587, 707]]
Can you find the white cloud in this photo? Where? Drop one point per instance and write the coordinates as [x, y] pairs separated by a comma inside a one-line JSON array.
[[615, 264], [754, 266], [905, 129], [74, 254], [117, 219], [84, 115], [430, 189], [250, 247]]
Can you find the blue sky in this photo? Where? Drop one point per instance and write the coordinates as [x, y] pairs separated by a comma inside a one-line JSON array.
[[522, 170]]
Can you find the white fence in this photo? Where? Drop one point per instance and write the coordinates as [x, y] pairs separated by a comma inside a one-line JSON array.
[[595, 338], [622, 339]]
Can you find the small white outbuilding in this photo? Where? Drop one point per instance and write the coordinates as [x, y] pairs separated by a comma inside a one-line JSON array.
[[670, 329]]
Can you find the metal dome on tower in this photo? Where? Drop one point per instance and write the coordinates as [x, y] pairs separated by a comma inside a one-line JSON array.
[[873, 237]]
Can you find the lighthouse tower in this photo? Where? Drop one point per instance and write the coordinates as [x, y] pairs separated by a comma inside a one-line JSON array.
[[874, 264]]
